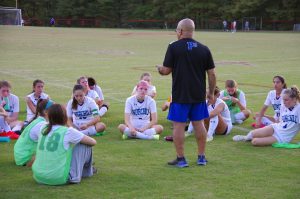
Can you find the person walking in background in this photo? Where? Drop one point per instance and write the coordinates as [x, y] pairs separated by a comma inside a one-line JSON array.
[[225, 26], [188, 61]]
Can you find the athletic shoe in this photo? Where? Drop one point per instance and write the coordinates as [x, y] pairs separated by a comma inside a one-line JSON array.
[[256, 127], [95, 170], [169, 138], [156, 137], [209, 138], [201, 160], [124, 137], [239, 138], [187, 134], [179, 163], [10, 134]]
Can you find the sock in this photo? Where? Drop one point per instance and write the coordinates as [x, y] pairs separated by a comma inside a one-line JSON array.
[[3, 125], [213, 123], [103, 110], [240, 116], [143, 136], [265, 121], [18, 127], [150, 132], [190, 128], [89, 131], [249, 136]]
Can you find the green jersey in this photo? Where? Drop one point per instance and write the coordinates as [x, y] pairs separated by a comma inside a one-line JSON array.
[[233, 107], [25, 147], [53, 161]]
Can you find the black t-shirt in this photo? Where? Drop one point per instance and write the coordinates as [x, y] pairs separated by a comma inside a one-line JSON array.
[[189, 61]]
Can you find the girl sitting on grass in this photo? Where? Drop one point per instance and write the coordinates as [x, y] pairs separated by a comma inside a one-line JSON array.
[[25, 147], [236, 102], [151, 90], [287, 127], [57, 160], [83, 113], [273, 99], [140, 115]]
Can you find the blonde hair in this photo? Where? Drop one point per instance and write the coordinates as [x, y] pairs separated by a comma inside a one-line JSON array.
[[293, 92]]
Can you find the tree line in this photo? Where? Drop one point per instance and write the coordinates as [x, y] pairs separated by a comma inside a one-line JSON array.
[[119, 13]]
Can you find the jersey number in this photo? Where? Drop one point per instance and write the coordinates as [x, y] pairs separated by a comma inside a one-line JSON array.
[[52, 144]]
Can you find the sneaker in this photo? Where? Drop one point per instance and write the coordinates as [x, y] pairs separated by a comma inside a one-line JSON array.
[[201, 160], [169, 138], [156, 137], [239, 138], [179, 163], [256, 127], [209, 138], [10, 134], [124, 137], [187, 134], [95, 170]]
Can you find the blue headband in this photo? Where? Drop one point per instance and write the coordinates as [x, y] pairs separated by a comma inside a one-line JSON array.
[[49, 103]]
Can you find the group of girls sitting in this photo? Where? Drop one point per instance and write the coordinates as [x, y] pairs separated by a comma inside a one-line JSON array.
[[56, 139]]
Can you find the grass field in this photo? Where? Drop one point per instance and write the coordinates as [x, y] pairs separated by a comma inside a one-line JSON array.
[[137, 168]]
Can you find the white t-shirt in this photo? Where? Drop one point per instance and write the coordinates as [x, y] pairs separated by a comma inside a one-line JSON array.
[[241, 97], [275, 102], [92, 94], [225, 112], [13, 104], [151, 90], [84, 112], [289, 123], [72, 136], [140, 110], [34, 101], [36, 131], [99, 92]]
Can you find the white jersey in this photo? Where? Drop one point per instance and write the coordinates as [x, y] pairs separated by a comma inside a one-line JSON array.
[[11, 104], [72, 135], [92, 94], [275, 102], [225, 112], [289, 124], [36, 131], [34, 101], [84, 112], [99, 92], [151, 90], [140, 111]]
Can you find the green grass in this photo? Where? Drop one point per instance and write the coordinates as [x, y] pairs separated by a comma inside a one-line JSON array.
[[137, 168]]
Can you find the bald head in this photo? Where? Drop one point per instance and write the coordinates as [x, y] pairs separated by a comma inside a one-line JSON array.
[[185, 28]]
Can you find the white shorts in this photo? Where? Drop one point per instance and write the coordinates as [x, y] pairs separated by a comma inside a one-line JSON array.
[[139, 123], [280, 136]]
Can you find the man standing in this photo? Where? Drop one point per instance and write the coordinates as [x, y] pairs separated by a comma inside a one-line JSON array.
[[188, 61]]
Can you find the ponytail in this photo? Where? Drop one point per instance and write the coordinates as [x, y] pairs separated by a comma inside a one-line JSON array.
[[57, 116], [293, 92]]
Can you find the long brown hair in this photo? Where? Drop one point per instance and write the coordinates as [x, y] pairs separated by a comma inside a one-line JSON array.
[[75, 102], [35, 82], [57, 116], [281, 79]]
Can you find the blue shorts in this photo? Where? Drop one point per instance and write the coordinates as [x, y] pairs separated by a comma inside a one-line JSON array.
[[179, 112]]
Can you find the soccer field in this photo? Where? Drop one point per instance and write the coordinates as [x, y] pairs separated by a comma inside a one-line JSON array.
[[137, 168]]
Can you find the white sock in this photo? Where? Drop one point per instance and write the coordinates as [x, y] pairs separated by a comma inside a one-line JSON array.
[[18, 127], [190, 128], [143, 136], [102, 111], [240, 116], [3, 125], [249, 136], [89, 131], [265, 121], [213, 123], [150, 132]]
